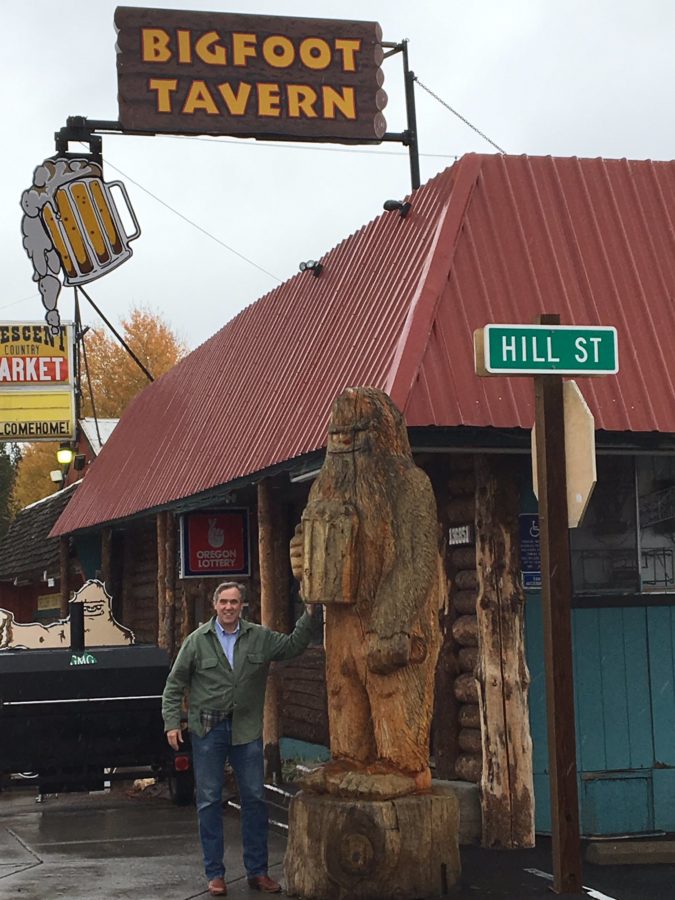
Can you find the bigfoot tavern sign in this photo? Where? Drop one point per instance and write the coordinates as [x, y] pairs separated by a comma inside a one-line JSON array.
[[186, 72]]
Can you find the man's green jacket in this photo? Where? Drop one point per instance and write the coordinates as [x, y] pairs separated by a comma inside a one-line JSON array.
[[201, 667]]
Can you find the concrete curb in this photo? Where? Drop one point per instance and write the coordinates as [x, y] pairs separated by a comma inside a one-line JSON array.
[[631, 853]]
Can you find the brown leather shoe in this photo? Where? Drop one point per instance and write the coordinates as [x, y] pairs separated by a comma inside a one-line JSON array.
[[264, 883], [217, 887]]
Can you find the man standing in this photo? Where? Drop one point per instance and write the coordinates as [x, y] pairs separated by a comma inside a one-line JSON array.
[[223, 665]]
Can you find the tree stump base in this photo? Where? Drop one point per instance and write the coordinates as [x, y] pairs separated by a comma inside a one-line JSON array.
[[344, 849]]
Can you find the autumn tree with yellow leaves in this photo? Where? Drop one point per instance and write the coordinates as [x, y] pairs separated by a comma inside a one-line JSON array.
[[115, 380]]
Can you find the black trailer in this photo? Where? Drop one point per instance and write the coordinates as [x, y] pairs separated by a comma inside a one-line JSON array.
[[72, 717]]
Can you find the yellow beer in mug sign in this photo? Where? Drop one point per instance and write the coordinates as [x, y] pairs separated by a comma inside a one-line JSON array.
[[85, 226]]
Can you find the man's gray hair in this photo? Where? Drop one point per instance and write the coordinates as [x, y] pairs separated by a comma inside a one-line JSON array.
[[226, 585]]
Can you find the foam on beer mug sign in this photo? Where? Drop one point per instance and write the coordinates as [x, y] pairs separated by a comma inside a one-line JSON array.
[[546, 350]]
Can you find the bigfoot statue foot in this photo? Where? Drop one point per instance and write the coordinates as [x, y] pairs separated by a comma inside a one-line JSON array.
[[379, 781]]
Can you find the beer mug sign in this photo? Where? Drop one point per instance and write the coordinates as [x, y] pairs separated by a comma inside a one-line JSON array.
[[71, 224], [85, 227]]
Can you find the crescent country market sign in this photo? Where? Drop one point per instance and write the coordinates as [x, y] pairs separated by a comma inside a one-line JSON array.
[[186, 72], [37, 401]]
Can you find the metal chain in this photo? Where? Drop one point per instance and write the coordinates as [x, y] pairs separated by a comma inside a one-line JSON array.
[[459, 115]]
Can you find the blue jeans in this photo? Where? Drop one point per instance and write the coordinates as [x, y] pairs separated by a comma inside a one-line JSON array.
[[209, 755]]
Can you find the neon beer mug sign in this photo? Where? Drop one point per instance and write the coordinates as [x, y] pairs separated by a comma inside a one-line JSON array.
[[72, 227]]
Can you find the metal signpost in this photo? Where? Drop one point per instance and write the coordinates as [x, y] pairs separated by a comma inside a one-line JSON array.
[[547, 351]]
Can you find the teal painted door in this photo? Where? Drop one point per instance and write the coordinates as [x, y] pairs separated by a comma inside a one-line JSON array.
[[625, 717]]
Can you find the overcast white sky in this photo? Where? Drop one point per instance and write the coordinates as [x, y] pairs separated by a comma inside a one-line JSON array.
[[580, 77]]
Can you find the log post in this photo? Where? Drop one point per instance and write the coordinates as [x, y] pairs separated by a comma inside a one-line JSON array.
[[403, 848], [127, 610], [106, 559], [274, 611], [186, 614], [507, 793], [64, 576], [170, 583], [163, 637]]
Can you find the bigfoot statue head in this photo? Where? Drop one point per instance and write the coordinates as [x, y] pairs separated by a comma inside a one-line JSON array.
[[365, 419]]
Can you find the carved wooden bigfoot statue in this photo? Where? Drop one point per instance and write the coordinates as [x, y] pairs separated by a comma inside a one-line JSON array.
[[367, 547]]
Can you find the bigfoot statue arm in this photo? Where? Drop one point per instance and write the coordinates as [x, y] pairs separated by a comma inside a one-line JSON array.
[[400, 599]]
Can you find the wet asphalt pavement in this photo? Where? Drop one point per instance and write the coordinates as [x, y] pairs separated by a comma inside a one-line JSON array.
[[125, 844]]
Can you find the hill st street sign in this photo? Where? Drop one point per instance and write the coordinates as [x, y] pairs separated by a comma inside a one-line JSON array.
[[546, 350]]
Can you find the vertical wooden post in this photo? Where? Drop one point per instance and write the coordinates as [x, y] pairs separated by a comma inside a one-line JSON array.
[[106, 558], [556, 608], [170, 583], [274, 612], [187, 618], [163, 637], [64, 576], [507, 789], [127, 608]]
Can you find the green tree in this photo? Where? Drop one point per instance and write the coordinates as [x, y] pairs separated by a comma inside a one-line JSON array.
[[9, 457]]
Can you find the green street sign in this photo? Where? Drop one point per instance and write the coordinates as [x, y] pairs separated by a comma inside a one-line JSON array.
[[546, 350]]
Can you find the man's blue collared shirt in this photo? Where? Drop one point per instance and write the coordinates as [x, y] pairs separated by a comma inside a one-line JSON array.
[[227, 641]]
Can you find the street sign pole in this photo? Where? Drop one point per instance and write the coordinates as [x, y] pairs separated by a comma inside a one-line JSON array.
[[547, 351], [556, 608]]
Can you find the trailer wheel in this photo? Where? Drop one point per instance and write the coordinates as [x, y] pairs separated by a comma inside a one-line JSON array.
[[182, 788]]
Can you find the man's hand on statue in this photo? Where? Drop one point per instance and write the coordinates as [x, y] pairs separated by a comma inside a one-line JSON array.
[[386, 654], [175, 738], [297, 552]]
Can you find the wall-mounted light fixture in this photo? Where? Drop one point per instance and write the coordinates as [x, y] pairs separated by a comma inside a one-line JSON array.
[[393, 205], [65, 454], [316, 268]]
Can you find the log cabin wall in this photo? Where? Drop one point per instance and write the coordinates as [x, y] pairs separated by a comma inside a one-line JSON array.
[[304, 704], [444, 729], [463, 637], [139, 580]]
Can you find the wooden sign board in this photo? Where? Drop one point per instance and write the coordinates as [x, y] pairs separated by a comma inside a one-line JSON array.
[[186, 72], [581, 474]]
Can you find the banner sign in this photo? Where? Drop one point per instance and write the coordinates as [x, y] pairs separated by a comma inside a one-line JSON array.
[[37, 385], [214, 543], [185, 72]]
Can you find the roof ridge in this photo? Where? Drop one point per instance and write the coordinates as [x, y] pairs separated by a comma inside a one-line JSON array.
[[419, 321]]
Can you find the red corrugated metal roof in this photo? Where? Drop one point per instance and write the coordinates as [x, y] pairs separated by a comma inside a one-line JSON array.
[[593, 240], [492, 239]]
